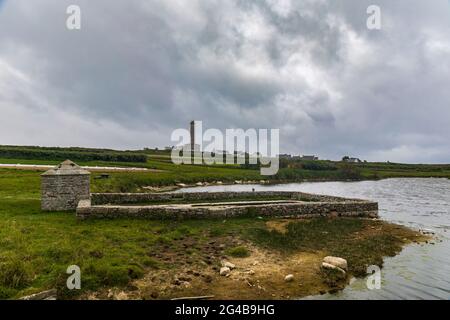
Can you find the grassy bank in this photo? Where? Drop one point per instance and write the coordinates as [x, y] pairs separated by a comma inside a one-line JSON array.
[[165, 259], [375, 170]]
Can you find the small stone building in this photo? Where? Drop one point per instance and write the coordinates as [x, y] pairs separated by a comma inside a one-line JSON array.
[[64, 186]]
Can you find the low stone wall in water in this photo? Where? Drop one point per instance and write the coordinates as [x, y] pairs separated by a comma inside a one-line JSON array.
[[296, 205]]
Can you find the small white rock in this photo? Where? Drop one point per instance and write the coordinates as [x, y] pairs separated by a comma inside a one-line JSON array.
[[224, 271], [289, 278], [110, 294]]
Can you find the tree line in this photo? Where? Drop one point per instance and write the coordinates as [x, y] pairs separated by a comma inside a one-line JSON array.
[[75, 154]]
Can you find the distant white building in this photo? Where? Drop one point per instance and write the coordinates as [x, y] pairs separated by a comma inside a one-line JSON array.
[[303, 157], [310, 158], [351, 160]]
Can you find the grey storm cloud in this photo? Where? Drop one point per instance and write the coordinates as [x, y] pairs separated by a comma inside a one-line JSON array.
[[139, 69]]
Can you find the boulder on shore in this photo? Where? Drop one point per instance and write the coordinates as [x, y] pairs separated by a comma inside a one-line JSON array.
[[336, 261], [332, 267]]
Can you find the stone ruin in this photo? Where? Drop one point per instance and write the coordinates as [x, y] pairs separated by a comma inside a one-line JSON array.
[[64, 186]]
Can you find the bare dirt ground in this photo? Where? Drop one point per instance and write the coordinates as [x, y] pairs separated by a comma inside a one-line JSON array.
[[259, 276]]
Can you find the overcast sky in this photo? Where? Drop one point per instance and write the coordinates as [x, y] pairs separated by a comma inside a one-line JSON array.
[[138, 69]]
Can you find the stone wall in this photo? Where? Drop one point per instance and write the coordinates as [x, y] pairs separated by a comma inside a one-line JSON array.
[[304, 206], [131, 198], [63, 192]]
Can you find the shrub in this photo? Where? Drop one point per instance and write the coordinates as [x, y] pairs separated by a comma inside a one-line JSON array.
[[351, 172], [238, 252], [318, 165]]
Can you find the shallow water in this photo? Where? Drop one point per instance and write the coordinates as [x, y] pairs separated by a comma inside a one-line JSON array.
[[419, 271]]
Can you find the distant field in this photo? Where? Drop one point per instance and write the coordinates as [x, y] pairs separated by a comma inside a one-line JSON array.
[[290, 171]]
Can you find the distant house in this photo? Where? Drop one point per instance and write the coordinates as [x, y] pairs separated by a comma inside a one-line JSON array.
[[291, 157], [351, 160], [309, 158]]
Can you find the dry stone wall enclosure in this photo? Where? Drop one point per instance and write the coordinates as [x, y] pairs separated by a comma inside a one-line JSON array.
[[133, 198], [222, 205]]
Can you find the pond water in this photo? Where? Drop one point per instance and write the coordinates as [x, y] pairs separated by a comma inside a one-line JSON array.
[[419, 271]]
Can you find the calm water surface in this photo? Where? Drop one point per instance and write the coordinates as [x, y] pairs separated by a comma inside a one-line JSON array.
[[419, 271]]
